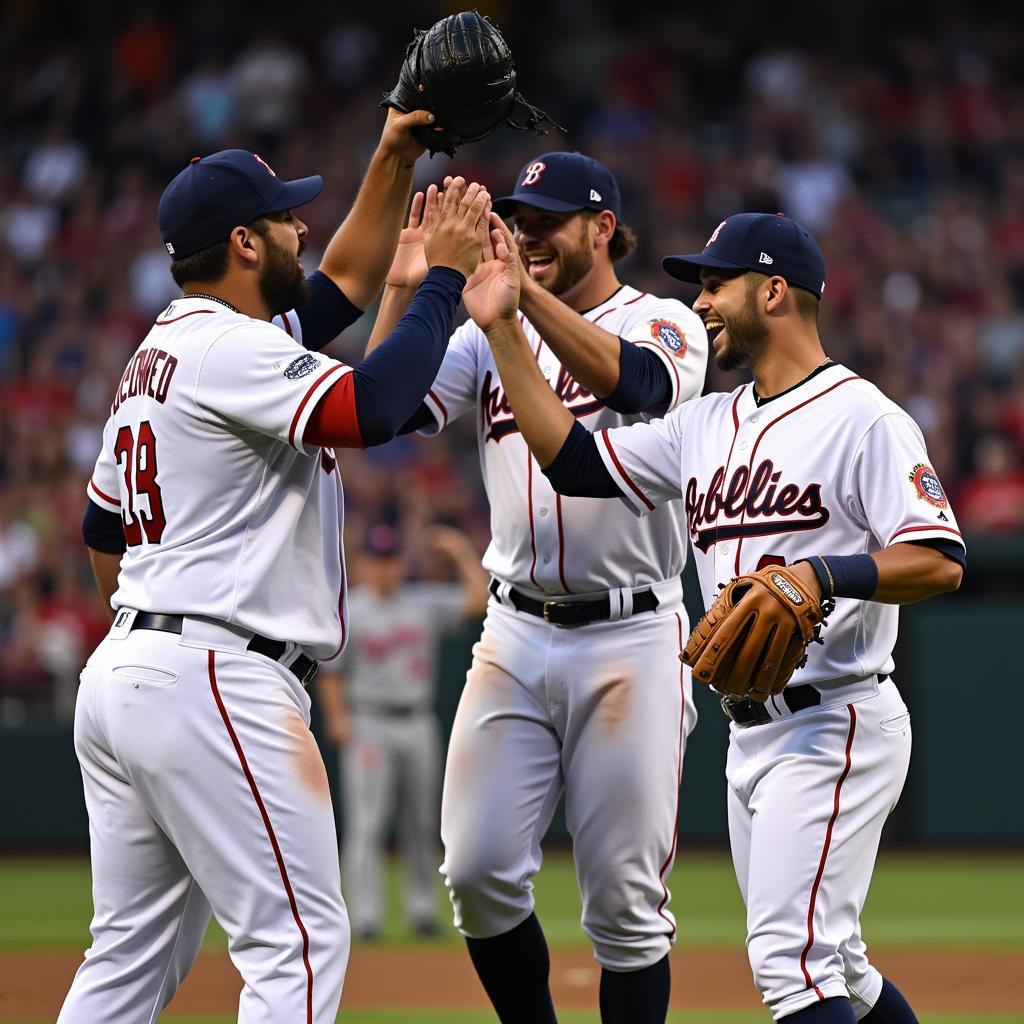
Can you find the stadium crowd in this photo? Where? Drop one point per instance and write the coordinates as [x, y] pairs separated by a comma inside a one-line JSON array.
[[903, 152]]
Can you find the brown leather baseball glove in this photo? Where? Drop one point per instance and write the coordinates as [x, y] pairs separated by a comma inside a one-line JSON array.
[[756, 634]]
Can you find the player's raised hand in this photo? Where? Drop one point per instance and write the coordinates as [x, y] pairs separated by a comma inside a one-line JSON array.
[[409, 266], [492, 293], [456, 226], [397, 139]]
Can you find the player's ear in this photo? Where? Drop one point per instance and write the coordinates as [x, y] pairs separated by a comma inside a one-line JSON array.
[[775, 295], [605, 222], [242, 243]]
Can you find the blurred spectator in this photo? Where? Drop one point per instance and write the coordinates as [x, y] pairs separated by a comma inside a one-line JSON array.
[[991, 500]]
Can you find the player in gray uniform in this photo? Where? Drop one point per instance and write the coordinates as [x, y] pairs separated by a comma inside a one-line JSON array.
[[378, 701]]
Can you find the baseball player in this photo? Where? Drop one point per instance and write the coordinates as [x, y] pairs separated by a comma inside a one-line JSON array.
[[812, 465], [203, 783], [573, 685], [378, 702]]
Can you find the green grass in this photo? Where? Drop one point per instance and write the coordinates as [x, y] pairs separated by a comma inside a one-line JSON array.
[[948, 902]]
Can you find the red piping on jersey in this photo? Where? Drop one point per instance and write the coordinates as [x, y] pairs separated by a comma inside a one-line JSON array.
[[824, 852], [679, 782], [621, 305], [529, 507], [270, 833], [750, 463], [309, 394], [917, 529], [440, 405], [561, 543], [105, 497], [618, 465], [287, 326], [671, 362], [175, 319]]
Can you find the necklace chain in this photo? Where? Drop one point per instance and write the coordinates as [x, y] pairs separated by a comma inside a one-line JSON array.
[[212, 298], [825, 362]]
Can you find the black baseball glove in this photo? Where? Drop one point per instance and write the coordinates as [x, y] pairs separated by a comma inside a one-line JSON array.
[[462, 71]]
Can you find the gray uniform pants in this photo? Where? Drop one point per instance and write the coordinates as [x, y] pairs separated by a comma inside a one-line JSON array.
[[391, 765]]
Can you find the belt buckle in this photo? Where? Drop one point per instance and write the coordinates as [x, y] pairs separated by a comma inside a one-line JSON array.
[[310, 672], [548, 605]]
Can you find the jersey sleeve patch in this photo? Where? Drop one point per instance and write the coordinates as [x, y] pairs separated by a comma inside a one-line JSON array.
[[926, 482], [669, 334], [302, 366]]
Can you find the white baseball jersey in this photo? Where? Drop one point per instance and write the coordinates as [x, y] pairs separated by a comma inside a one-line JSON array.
[[542, 541], [391, 657], [227, 513], [830, 467]]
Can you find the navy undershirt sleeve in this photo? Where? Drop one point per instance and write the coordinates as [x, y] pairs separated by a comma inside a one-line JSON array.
[[643, 381], [102, 530], [953, 551], [326, 313], [421, 418], [577, 469], [391, 381]]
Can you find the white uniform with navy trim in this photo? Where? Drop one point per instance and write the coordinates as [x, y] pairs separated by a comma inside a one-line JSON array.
[[236, 519], [204, 785], [830, 467], [601, 711]]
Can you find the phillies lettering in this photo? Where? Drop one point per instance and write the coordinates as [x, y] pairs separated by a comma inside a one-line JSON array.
[[751, 497], [497, 413], [149, 373]]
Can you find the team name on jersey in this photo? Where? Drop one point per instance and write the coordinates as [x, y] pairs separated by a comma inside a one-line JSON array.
[[757, 499], [497, 413], [379, 648], [149, 373]]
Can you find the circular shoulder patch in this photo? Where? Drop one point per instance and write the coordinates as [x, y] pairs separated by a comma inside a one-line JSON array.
[[301, 367], [669, 334], [926, 481]]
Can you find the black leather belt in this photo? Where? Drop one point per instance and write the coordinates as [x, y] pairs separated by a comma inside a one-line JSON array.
[[574, 613], [303, 668], [747, 712]]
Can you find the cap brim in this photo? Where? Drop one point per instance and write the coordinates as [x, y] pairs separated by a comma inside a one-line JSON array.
[[297, 193], [688, 268], [505, 203]]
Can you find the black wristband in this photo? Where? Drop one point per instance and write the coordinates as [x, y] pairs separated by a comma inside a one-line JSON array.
[[845, 575]]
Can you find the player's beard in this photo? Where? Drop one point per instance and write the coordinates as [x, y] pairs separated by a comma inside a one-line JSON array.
[[573, 264], [747, 334], [282, 283]]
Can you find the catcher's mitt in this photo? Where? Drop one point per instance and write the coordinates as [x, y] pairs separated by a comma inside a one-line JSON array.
[[462, 71], [756, 634]]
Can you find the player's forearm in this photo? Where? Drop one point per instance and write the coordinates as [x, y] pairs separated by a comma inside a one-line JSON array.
[[542, 419], [393, 305], [899, 574], [587, 351], [359, 255], [911, 572], [105, 569]]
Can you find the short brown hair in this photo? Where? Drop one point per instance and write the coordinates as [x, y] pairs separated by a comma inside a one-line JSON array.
[[209, 265]]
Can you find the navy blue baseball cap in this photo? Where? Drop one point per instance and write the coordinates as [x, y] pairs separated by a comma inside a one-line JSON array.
[[768, 243], [382, 540], [563, 183], [216, 193]]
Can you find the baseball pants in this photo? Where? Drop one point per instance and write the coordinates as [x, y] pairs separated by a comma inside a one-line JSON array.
[[601, 711], [808, 796], [205, 790]]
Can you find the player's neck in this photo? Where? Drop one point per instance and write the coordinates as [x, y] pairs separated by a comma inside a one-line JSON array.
[[782, 367], [239, 298], [596, 288]]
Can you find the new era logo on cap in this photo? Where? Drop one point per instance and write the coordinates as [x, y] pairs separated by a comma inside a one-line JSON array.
[[743, 242], [563, 183]]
